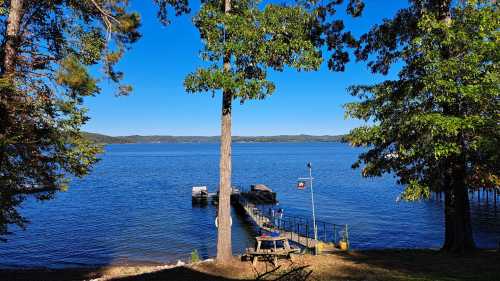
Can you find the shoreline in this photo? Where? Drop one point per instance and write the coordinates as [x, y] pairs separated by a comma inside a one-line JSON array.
[[151, 263]]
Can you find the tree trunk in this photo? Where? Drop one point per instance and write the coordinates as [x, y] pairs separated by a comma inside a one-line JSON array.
[[224, 248], [458, 230], [12, 37]]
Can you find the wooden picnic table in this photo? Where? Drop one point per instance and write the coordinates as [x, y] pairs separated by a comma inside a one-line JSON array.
[[280, 248]]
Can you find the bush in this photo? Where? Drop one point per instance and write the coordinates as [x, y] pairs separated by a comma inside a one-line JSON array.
[[195, 257]]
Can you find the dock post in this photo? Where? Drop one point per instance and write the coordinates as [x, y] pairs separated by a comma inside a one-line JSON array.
[[298, 233], [487, 197], [335, 234], [495, 196], [324, 230], [307, 235], [347, 235]]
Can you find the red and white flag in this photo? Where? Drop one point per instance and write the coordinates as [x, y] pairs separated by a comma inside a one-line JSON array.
[[301, 185]]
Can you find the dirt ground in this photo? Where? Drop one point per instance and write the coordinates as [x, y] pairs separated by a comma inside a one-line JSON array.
[[404, 265]]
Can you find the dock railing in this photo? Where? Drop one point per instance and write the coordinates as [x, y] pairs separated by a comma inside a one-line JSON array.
[[300, 229]]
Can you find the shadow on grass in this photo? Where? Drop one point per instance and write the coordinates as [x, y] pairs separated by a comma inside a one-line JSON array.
[[390, 265], [49, 274], [175, 274], [421, 265], [74, 274]]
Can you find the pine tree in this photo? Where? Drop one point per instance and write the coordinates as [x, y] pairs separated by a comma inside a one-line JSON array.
[[47, 50]]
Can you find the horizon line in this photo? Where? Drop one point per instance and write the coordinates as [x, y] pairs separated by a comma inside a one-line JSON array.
[[211, 136]]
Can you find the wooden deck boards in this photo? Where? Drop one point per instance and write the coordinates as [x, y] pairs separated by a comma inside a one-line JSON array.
[[262, 222]]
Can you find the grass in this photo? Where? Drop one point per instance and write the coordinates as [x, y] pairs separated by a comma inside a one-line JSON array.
[[390, 265], [406, 265]]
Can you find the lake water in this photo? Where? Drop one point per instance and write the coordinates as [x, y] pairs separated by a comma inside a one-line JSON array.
[[136, 205]]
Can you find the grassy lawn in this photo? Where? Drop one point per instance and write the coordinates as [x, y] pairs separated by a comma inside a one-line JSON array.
[[405, 265], [400, 265]]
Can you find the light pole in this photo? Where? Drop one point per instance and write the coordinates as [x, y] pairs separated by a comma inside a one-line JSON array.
[[310, 179]]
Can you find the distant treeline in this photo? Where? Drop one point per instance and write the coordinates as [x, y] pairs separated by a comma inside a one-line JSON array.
[[194, 139]]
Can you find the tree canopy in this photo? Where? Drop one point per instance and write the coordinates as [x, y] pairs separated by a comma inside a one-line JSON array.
[[436, 127], [258, 39], [50, 53], [48, 50]]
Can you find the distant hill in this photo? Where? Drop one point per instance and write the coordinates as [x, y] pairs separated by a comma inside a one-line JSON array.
[[207, 139]]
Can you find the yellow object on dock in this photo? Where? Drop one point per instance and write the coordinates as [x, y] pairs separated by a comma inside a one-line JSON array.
[[325, 248]]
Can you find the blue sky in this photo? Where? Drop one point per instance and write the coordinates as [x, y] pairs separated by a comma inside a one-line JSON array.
[[303, 103]]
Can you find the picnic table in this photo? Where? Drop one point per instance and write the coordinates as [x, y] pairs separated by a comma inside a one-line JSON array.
[[270, 248]]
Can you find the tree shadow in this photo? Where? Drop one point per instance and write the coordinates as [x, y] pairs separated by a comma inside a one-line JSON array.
[[181, 273], [401, 265], [44, 274], [421, 264], [74, 274]]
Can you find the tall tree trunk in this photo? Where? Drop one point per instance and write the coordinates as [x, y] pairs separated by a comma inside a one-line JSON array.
[[224, 248], [12, 37], [458, 230]]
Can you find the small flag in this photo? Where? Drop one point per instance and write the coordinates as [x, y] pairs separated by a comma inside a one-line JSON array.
[[301, 185]]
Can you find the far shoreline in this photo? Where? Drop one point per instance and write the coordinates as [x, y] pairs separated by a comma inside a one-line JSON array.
[[234, 142], [137, 139]]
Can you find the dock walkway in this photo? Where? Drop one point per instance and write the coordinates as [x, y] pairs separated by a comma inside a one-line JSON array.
[[297, 230]]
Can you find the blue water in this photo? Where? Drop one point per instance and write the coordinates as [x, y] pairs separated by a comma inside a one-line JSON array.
[[136, 206]]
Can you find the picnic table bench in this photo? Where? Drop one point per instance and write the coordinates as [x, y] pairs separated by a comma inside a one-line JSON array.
[[270, 248]]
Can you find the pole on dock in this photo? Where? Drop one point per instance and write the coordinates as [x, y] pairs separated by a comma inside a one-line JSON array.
[[309, 165], [310, 179]]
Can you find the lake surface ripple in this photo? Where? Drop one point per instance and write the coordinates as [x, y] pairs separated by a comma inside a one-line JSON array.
[[136, 205]]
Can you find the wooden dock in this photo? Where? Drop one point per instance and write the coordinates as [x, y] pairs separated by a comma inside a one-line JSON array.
[[305, 240]]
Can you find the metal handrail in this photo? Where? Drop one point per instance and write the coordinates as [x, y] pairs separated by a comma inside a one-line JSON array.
[[327, 232]]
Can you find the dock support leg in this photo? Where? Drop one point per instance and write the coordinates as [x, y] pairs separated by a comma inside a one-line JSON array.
[[495, 197], [487, 197]]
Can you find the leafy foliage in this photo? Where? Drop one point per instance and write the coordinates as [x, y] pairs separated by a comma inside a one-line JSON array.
[[45, 75], [442, 111], [256, 38], [180, 7], [41, 95], [330, 31]]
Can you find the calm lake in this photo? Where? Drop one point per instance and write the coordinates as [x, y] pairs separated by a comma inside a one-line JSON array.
[[136, 205]]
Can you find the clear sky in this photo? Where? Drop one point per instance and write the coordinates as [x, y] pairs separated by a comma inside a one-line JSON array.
[[303, 103]]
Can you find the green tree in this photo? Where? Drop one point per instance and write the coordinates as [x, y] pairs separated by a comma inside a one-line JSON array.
[[436, 127], [48, 48], [242, 40]]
